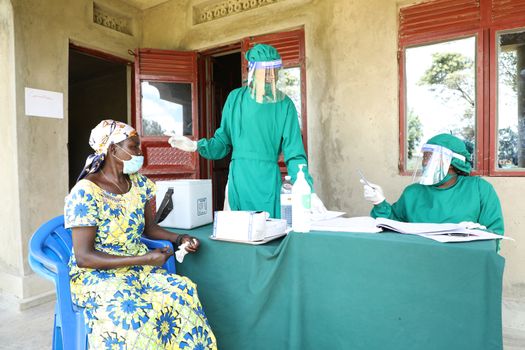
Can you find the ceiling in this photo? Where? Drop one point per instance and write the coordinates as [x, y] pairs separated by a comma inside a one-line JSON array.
[[144, 4]]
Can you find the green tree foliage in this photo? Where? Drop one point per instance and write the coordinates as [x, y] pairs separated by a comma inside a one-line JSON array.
[[415, 132], [508, 147], [151, 127], [508, 65], [451, 75]]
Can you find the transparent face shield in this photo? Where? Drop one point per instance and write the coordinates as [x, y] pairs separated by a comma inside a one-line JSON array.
[[262, 81], [435, 163]]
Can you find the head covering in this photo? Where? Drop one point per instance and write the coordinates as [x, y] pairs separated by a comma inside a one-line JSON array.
[[104, 134], [457, 146], [262, 53], [264, 63]]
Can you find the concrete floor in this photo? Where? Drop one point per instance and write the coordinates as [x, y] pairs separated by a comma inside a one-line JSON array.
[[33, 329]]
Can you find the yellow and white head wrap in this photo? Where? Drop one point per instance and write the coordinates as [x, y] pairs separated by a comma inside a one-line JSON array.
[[104, 134]]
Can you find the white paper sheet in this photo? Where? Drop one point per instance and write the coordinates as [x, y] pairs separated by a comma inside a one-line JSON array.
[[468, 236], [43, 103], [356, 224], [327, 216]]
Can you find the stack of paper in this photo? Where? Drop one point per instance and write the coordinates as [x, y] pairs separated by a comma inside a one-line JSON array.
[[356, 224]]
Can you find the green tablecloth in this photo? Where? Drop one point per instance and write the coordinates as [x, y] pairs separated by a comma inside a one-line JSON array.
[[337, 290]]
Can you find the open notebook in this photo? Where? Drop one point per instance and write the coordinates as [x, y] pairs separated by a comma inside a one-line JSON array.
[[445, 232]]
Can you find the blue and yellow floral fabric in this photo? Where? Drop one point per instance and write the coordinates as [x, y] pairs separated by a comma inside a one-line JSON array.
[[136, 307]]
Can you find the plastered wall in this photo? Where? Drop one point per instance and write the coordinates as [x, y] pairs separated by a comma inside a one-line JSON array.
[[352, 83], [10, 250]]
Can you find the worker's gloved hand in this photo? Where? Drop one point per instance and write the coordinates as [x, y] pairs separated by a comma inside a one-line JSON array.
[[182, 142], [317, 207], [373, 193], [472, 225]]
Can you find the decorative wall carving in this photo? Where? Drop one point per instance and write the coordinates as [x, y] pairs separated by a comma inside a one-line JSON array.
[[111, 20], [216, 9]]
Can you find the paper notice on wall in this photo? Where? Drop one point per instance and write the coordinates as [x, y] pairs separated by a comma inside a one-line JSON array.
[[43, 103]]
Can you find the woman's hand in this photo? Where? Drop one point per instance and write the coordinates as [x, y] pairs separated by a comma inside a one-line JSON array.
[[193, 243], [158, 257]]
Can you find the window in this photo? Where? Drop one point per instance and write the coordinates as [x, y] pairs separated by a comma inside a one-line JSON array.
[[462, 71], [511, 100], [289, 82], [166, 107]]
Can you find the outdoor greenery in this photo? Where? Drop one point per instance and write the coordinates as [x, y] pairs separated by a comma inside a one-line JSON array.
[[451, 77], [151, 128]]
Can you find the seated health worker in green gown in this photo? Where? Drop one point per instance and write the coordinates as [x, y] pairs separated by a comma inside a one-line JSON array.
[[258, 122], [445, 192]]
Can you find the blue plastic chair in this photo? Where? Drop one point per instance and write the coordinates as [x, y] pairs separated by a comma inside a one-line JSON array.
[[49, 252]]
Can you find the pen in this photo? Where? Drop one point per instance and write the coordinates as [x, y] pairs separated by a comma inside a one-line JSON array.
[[363, 177]]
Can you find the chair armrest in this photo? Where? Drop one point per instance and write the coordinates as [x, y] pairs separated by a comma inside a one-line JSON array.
[[169, 265]]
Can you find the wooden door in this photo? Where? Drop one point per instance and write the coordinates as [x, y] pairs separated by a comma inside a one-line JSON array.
[[166, 96]]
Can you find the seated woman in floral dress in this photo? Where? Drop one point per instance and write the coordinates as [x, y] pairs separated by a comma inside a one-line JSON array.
[[130, 301]]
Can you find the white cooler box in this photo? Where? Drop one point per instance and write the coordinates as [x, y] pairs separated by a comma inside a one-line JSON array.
[[192, 203]]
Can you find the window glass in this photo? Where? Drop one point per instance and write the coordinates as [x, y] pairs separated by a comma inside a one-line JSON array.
[[440, 94], [511, 100], [166, 107], [290, 83]]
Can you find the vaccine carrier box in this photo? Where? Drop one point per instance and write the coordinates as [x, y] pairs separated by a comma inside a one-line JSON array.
[[192, 203]]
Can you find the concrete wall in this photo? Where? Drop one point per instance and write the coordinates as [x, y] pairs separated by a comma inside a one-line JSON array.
[[10, 250], [351, 51], [37, 147]]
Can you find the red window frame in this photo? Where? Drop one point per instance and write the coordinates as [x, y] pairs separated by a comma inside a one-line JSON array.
[[442, 20]]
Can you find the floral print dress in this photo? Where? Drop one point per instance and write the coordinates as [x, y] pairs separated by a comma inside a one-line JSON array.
[[135, 307]]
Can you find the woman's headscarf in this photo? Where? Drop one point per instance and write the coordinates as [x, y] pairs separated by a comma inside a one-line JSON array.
[[456, 145], [104, 134]]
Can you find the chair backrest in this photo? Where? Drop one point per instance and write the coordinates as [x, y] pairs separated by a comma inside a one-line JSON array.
[[50, 247]]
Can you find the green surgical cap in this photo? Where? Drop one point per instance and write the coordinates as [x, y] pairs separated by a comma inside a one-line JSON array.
[[262, 53], [457, 146]]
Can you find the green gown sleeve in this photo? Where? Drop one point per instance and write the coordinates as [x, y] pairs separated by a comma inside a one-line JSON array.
[[218, 146], [396, 211], [490, 215], [292, 146]]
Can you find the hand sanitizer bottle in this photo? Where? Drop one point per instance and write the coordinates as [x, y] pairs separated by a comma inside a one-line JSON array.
[[301, 202]]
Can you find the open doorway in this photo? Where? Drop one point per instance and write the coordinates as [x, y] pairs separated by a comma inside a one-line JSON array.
[[98, 89], [225, 75]]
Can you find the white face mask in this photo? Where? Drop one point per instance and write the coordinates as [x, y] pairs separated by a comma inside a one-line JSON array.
[[133, 165]]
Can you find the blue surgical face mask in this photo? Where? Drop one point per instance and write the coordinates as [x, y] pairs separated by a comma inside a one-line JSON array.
[[133, 165]]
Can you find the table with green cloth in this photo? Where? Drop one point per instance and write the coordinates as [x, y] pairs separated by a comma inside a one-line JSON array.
[[340, 290]]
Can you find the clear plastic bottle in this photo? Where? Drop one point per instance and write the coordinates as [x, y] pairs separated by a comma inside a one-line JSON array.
[[301, 202], [286, 200]]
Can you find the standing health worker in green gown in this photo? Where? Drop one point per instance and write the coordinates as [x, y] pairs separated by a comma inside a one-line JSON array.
[[258, 122], [445, 193]]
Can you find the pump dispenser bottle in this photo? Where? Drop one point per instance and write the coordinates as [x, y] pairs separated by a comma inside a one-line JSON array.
[[301, 202]]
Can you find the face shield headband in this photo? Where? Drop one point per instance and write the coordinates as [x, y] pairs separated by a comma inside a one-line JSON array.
[[436, 163]]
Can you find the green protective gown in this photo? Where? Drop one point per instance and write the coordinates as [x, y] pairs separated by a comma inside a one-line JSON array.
[[257, 133], [471, 198]]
